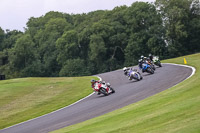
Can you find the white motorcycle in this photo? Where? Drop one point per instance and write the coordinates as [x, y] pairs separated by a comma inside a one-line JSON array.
[[134, 74], [103, 88]]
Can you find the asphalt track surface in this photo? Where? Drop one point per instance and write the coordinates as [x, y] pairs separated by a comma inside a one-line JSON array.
[[127, 92]]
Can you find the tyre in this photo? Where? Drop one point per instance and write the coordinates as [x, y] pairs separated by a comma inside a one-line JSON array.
[[138, 77], [103, 91], [113, 91], [150, 70], [154, 68]]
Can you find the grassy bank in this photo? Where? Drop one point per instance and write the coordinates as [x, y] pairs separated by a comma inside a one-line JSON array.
[[176, 110], [27, 98]]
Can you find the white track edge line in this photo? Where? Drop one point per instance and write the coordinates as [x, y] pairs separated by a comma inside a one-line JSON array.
[[193, 69], [53, 111]]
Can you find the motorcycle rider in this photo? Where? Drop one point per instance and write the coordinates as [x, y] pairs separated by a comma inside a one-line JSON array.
[[140, 62], [151, 57], [148, 60], [126, 71], [93, 82], [143, 58]]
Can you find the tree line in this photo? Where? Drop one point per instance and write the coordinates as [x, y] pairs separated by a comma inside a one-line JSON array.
[[61, 44]]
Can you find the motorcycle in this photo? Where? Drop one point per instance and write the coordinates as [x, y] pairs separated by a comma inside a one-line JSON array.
[[156, 61], [103, 88], [151, 64], [134, 74], [147, 68]]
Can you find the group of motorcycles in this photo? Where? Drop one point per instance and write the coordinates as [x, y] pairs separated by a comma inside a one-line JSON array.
[[145, 65]]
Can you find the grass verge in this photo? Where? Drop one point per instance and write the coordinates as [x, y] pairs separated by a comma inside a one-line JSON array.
[[175, 110], [26, 98]]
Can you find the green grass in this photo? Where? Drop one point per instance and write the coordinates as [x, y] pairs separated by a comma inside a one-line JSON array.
[[26, 98], [175, 110]]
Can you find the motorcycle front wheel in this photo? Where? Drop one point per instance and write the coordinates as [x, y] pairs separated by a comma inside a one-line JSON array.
[[150, 70], [113, 91], [103, 91], [159, 64]]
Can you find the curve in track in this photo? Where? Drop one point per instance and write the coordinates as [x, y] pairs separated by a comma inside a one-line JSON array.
[[127, 92]]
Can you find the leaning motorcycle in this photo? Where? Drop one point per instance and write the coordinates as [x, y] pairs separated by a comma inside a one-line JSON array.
[[134, 74], [147, 68], [103, 88], [156, 61], [151, 64]]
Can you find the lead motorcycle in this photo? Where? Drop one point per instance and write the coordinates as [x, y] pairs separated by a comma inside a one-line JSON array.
[[103, 88], [134, 74], [156, 61]]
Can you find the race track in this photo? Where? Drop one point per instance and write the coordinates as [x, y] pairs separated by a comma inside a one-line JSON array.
[[127, 92]]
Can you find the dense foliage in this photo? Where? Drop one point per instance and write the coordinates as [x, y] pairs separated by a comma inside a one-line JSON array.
[[60, 44]]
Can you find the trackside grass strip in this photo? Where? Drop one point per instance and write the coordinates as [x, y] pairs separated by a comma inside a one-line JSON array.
[[175, 110], [26, 98]]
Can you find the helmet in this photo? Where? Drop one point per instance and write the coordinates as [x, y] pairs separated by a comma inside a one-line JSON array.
[[150, 54], [140, 60], [142, 56], [125, 68], [108, 84], [92, 81]]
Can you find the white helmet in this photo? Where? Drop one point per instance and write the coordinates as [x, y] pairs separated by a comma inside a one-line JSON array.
[[124, 68]]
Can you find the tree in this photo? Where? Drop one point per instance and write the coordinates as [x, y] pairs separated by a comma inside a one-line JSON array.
[[68, 47], [74, 67], [146, 32], [24, 56], [179, 17], [10, 38], [97, 52], [46, 43], [2, 35]]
